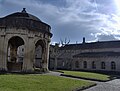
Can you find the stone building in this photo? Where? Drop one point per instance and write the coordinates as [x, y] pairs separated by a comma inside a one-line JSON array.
[[94, 56], [21, 35]]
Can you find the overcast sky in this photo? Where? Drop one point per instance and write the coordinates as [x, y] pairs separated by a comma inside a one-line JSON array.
[[96, 20]]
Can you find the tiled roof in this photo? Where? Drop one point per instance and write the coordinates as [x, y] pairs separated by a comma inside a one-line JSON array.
[[96, 54], [92, 45]]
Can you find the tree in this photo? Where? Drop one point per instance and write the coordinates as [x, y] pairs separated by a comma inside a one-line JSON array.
[[64, 42]]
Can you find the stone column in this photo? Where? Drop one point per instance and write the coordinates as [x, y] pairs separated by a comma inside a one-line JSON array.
[[4, 55], [46, 57], [1, 52], [28, 56]]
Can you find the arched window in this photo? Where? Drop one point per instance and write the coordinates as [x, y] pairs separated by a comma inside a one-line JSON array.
[[76, 64], [93, 65], [102, 65], [84, 64], [63, 63], [113, 65]]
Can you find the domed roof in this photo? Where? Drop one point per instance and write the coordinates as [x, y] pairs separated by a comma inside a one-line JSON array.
[[23, 14], [26, 21]]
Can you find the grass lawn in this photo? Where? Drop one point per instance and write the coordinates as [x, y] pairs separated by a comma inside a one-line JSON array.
[[13, 82], [87, 75]]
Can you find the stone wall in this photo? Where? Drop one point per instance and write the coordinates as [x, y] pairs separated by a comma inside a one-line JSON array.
[[29, 38], [97, 61], [65, 59]]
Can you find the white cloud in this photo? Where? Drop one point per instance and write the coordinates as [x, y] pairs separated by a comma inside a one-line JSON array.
[[77, 19]]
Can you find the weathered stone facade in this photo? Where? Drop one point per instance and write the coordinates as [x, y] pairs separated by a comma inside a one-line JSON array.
[[23, 29], [94, 56]]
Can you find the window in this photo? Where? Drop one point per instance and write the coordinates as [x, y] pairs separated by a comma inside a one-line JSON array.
[[21, 60], [63, 64], [84, 64], [93, 65], [113, 65], [22, 49], [102, 65], [77, 64]]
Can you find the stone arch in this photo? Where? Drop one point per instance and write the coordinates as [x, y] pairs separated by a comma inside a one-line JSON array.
[[40, 51], [103, 65], [93, 65], [77, 64], [84, 64], [8, 37], [39, 39], [13, 63], [113, 65]]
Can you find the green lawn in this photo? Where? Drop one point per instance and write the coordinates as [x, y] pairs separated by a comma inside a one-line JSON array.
[[87, 75], [14, 82]]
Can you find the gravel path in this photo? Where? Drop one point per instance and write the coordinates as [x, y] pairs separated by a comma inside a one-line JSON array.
[[54, 73], [113, 85]]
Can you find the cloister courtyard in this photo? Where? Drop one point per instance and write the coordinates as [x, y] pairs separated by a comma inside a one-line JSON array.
[[59, 81]]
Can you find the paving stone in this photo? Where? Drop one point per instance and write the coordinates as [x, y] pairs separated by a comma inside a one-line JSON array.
[[113, 85]]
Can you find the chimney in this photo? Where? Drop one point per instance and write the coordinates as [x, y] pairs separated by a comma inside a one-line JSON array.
[[83, 40]]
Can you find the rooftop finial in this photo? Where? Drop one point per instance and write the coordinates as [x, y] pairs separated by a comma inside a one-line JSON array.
[[83, 40], [24, 11]]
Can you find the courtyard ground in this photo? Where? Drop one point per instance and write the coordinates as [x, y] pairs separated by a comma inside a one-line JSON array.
[[16, 82], [87, 75], [113, 85]]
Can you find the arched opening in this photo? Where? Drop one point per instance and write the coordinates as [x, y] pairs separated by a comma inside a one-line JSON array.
[[76, 64], [84, 64], [102, 65], [15, 54], [113, 65], [63, 63], [39, 54], [93, 65]]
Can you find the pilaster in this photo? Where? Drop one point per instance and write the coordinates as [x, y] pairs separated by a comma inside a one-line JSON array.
[[28, 56], [46, 57], [3, 53]]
